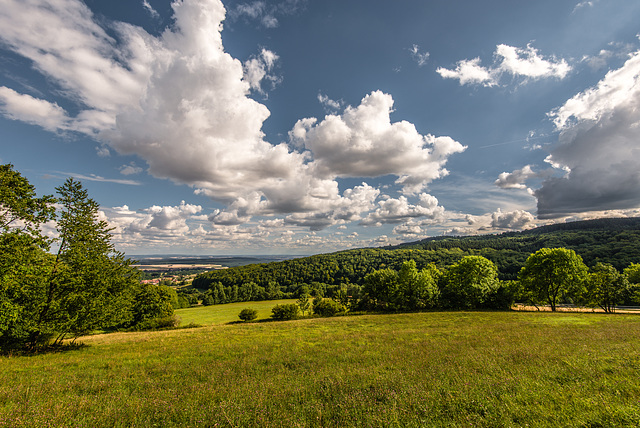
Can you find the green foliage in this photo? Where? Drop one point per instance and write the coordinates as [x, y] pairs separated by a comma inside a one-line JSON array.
[[553, 274], [468, 283], [151, 302], [417, 289], [633, 273], [327, 308], [248, 314], [303, 303], [86, 286], [614, 241], [20, 210], [380, 289], [287, 311], [606, 287]]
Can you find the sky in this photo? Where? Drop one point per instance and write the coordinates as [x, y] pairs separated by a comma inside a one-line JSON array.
[[302, 127]]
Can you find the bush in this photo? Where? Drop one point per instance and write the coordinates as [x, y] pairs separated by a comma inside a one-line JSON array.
[[327, 308], [170, 321], [285, 312], [248, 314]]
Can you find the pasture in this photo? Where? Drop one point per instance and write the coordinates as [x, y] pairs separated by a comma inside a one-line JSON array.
[[460, 369], [222, 314]]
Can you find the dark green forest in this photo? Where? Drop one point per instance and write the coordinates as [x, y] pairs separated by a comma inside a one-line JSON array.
[[612, 241]]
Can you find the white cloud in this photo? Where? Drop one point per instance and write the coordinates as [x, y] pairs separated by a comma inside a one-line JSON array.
[[598, 148], [183, 105], [513, 220], [525, 63], [98, 178], [329, 104], [67, 46], [363, 142], [258, 68], [103, 151], [469, 71], [399, 210], [516, 179], [265, 13], [154, 14], [420, 57], [26, 108], [130, 169]]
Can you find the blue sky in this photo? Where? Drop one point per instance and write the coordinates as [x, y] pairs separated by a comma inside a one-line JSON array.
[[299, 127]]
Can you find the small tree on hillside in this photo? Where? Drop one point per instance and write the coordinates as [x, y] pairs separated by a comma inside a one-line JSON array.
[[248, 314], [287, 311], [551, 274], [303, 303]]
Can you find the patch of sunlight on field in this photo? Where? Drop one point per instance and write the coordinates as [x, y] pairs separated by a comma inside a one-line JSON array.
[[565, 319], [222, 314]]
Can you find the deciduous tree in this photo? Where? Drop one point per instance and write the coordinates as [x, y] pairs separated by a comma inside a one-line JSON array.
[[467, 284], [551, 274], [606, 287]]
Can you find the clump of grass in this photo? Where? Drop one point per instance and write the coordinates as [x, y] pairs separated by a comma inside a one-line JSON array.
[[424, 369]]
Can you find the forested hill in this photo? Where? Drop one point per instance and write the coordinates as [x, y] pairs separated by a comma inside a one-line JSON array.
[[614, 241]]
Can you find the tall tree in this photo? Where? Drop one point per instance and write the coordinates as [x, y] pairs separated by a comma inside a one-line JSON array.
[[551, 274], [91, 283], [417, 289], [24, 262]]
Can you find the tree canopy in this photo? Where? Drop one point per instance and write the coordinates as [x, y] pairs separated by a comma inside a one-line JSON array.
[[85, 286], [551, 273]]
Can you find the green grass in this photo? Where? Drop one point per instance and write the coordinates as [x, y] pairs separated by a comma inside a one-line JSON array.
[[441, 369], [222, 314]]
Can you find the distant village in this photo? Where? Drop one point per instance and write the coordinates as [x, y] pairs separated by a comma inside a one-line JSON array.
[[175, 275]]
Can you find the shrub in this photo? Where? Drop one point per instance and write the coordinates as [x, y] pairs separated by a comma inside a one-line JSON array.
[[327, 308], [170, 321], [248, 314], [285, 312]]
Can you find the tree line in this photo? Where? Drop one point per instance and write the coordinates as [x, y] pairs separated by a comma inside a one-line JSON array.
[[551, 276], [407, 280], [76, 283]]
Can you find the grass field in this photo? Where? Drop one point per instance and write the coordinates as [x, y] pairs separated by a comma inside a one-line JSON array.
[[441, 369], [222, 314]]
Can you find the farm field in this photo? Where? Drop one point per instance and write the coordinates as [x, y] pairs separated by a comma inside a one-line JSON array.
[[222, 314], [459, 369]]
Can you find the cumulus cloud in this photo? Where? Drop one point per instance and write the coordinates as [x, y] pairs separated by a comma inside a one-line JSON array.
[[363, 142], [183, 105], [513, 220], [525, 63], [399, 210], [598, 148], [258, 69], [517, 178], [469, 71]]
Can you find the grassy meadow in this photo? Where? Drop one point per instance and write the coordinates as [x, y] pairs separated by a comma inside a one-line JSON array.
[[222, 314], [453, 369]]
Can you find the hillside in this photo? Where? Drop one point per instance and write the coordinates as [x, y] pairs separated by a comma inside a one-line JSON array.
[[614, 241]]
